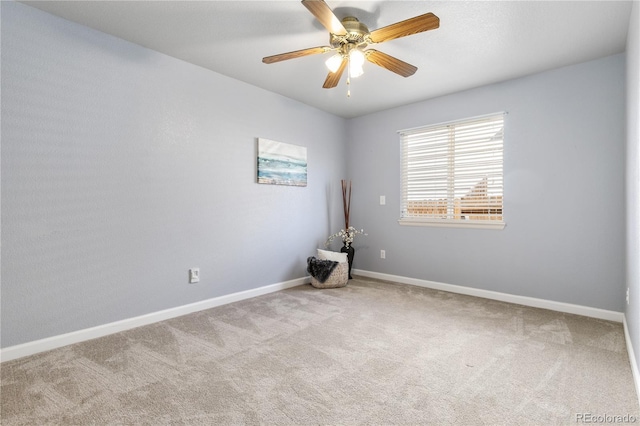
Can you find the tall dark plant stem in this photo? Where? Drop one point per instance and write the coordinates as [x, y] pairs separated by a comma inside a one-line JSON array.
[[346, 201]]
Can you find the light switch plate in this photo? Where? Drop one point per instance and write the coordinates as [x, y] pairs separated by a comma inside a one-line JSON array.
[[383, 200], [194, 275]]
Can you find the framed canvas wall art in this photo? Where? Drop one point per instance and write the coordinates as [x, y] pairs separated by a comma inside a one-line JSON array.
[[281, 163]]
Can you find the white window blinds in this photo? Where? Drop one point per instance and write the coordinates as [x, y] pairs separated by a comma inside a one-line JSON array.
[[452, 173]]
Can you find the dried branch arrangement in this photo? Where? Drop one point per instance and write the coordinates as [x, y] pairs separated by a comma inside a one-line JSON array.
[[346, 201]]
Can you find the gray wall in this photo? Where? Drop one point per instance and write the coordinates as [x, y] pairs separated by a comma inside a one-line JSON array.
[[564, 190], [122, 168], [633, 179]]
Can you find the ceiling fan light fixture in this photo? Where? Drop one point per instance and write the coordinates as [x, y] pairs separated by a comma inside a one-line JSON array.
[[356, 60], [355, 71], [333, 63]]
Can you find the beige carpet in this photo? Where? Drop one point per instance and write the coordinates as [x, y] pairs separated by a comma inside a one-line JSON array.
[[370, 353]]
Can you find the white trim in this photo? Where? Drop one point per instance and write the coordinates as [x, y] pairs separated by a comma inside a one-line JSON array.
[[504, 297], [452, 223], [446, 123], [632, 359], [37, 346]]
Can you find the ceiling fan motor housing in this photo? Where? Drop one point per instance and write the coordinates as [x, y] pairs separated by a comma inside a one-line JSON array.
[[357, 33]]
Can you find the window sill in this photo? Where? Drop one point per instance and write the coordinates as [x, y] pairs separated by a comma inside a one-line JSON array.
[[448, 223]]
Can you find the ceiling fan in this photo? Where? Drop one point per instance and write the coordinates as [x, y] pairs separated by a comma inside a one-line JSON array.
[[349, 38]]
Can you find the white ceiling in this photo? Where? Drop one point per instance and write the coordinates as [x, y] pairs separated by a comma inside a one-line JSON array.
[[478, 42]]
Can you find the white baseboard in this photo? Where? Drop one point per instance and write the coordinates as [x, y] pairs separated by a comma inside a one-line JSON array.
[[632, 359], [494, 295], [37, 346]]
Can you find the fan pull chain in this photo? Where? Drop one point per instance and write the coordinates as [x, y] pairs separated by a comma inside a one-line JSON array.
[[349, 76]]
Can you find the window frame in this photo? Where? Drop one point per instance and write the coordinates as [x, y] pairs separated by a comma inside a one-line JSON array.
[[448, 222]]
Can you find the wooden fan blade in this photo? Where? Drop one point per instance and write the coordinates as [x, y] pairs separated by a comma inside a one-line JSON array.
[[325, 15], [334, 77], [390, 63], [415, 25], [295, 54]]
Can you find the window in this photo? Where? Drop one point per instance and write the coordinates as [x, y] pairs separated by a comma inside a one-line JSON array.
[[452, 173]]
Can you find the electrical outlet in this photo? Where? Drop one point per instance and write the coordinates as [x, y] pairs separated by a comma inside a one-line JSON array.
[[383, 200], [627, 295], [383, 254], [194, 275]]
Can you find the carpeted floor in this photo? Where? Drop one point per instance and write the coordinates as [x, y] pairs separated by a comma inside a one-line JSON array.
[[370, 353]]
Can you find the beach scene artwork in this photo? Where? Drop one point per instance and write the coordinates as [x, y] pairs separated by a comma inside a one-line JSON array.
[[281, 163]]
